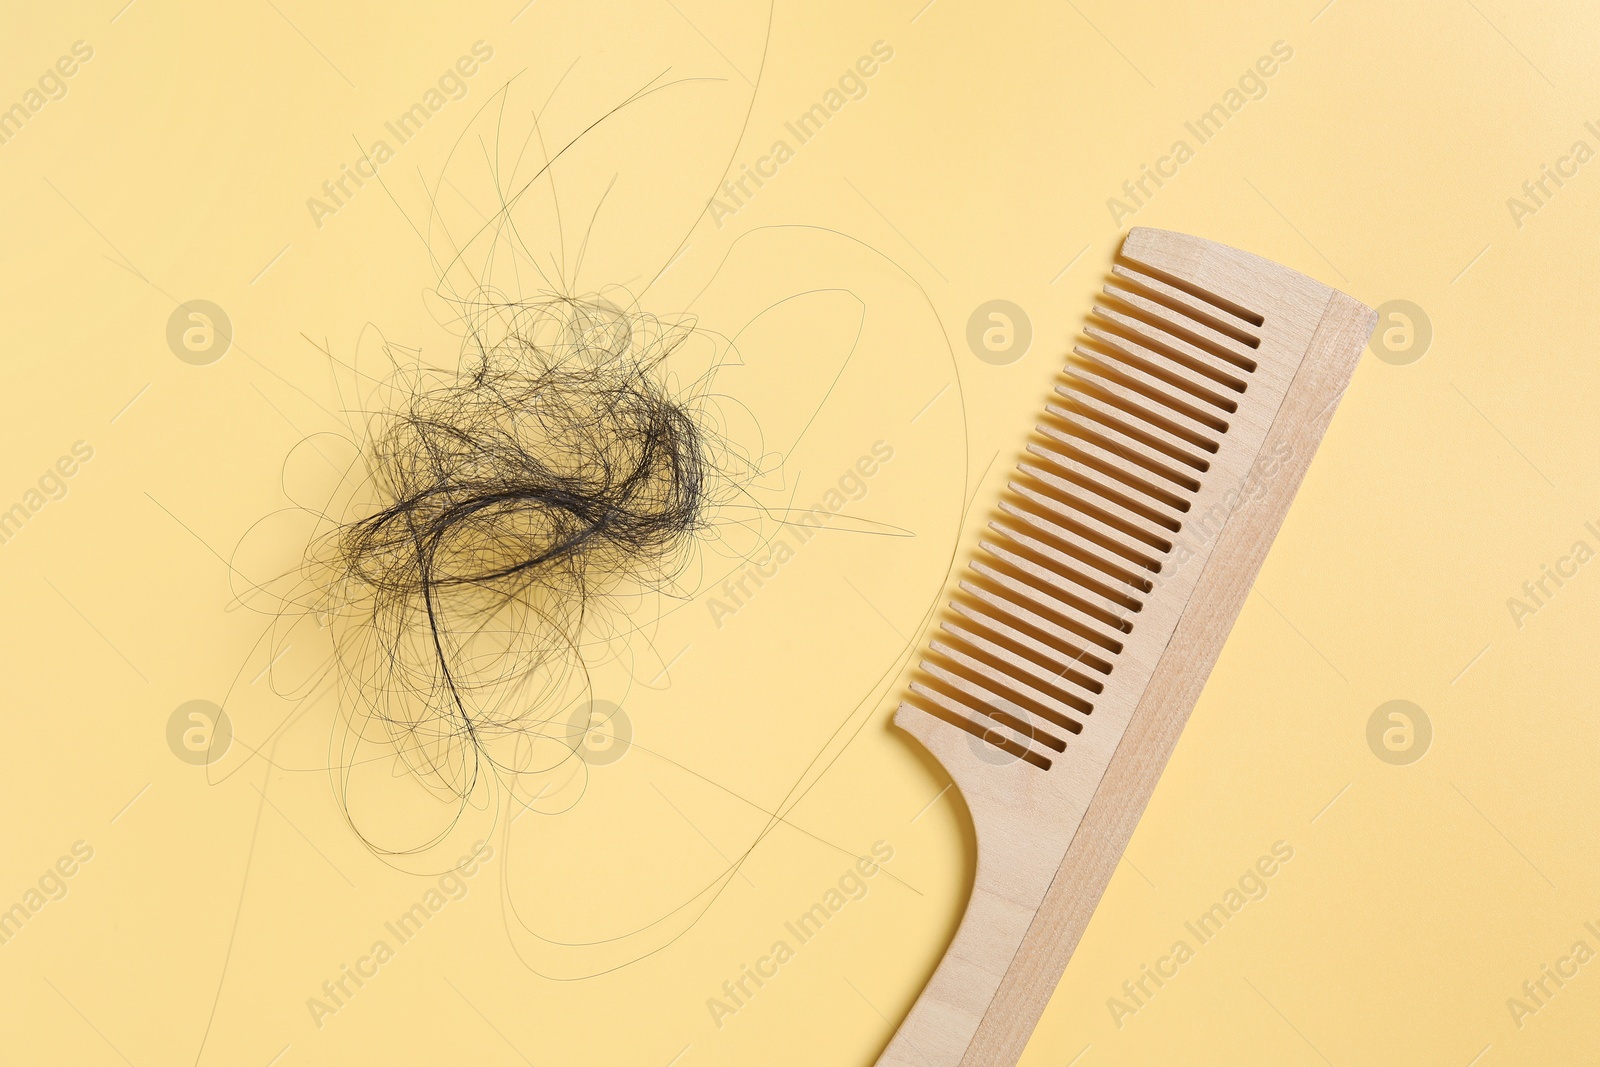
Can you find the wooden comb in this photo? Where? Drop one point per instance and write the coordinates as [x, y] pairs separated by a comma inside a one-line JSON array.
[[1056, 684]]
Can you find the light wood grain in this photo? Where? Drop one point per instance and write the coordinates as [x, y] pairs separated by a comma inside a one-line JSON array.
[[1187, 421]]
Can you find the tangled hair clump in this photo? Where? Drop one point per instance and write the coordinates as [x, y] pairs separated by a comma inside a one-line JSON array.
[[560, 462], [536, 466]]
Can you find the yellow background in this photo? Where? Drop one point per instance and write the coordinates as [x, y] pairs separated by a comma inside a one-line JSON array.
[[977, 166]]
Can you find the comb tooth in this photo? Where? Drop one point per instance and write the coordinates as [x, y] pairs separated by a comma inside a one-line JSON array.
[[1012, 673], [958, 714], [1149, 512], [1225, 355], [1167, 349], [1023, 719], [1124, 554], [1150, 356], [1024, 680], [1037, 602], [1080, 458], [1060, 563], [1084, 410], [1066, 643], [1011, 702], [1078, 546], [1139, 534], [1200, 310], [983, 695], [1116, 448], [1077, 689], [992, 686], [1246, 316], [1082, 382], [1156, 392], [1107, 616], [1172, 357]]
